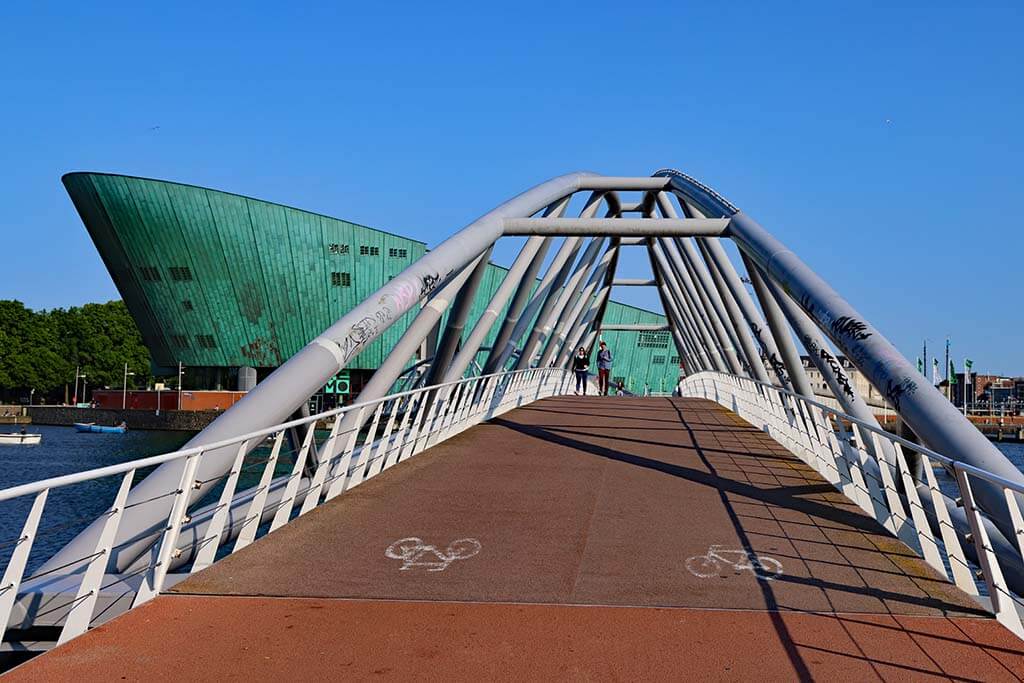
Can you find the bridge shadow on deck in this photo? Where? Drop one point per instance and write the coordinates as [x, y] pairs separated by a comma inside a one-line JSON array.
[[587, 513]]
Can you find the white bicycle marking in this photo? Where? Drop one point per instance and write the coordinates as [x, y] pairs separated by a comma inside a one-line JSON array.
[[413, 552], [718, 558]]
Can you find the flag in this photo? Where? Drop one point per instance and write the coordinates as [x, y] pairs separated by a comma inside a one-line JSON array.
[[935, 372], [952, 373], [920, 365], [968, 364]]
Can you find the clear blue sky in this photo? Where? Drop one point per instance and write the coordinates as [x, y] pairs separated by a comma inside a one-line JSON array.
[[882, 143]]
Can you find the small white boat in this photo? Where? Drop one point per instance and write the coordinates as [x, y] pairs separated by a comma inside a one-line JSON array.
[[19, 439]]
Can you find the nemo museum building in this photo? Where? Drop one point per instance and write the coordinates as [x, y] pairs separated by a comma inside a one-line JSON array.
[[225, 284]]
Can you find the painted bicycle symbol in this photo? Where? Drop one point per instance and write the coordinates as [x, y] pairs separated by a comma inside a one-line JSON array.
[[413, 553], [719, 558]]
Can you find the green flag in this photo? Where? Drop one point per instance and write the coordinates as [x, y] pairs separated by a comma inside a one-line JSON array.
[[968, 364], [952, 373], [920, 365]]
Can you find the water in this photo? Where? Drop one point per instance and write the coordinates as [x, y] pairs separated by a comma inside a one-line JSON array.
[[64, 451]]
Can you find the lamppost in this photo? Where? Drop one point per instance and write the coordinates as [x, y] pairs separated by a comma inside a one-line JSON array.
[[124, 390], [85, 385], [180, 368]]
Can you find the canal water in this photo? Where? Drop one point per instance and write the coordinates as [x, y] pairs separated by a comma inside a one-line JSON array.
[[68, 510]]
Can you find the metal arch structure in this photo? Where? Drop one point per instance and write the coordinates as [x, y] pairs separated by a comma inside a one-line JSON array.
[[552, 301]]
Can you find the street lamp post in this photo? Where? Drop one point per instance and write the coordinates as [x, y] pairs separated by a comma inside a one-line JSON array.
[[124, 390], [85, 386], [180, 368]]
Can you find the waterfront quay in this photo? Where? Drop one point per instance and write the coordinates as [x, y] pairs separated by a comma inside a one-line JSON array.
[[575, 539]]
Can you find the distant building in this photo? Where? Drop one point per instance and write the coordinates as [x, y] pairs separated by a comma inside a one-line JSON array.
[[820, 387], [224, 283]]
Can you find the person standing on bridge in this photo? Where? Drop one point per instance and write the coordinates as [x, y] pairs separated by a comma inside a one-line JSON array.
[[604, 368], [580, 366]]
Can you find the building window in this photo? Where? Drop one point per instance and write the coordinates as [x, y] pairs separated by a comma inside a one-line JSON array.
[[181, 273], [180, 340], [206, 341], [675, 360], [187, 304], [150, 274], [337, 249], [398, 253], [341, 279], [365, 250], [652, 340], [657, 360]]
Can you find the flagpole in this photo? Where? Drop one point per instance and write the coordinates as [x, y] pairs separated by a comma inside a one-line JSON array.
[[949, 387]]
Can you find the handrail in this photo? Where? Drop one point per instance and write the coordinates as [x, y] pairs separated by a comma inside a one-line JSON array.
[[946, 533], [923, 450], [121, 468]]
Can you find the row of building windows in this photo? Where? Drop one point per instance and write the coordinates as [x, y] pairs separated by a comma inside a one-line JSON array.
[[178, 273], [652, 340], [205, 341], [367, 250], [341, 279]]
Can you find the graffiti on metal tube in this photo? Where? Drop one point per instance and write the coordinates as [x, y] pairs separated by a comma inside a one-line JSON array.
[[360, 333], [895, 391], [429, 282], [855, 329], [837, 370]]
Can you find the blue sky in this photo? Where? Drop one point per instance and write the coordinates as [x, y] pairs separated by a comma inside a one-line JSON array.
[[880, 141]]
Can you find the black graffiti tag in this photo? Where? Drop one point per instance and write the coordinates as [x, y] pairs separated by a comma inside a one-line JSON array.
[[361, 332], [429, 281], [837, 370], [895, 391], [850, 327]]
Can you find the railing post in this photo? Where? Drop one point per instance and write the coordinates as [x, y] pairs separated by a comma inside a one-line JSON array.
[[381, 452], [1003, 603], [340, 473], [19, 558], [254, 513], [153, 580], [77, 620], [208, 546], [962, 575], [291, 489], [326, 459], [364, 454]]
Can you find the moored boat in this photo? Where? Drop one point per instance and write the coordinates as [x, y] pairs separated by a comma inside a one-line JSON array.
[[19, 439], [92, 427]]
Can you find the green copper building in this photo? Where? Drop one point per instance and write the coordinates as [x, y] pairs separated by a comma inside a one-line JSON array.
[[217, 281]]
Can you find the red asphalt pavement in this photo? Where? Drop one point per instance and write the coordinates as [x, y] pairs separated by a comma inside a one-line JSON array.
[[576, 538]]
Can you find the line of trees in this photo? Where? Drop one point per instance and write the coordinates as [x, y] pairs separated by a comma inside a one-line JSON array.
[[39, 350]]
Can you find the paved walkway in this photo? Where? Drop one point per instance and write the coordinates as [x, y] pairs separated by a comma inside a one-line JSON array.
[[574, 538]]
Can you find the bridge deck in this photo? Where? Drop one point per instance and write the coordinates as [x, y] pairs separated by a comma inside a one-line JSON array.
[[583, 523]]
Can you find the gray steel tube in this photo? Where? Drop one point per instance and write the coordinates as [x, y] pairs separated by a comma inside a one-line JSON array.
[[932, 417], [288, 387]]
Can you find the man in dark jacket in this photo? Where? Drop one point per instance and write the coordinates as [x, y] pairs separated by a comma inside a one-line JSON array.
[[604, 368]]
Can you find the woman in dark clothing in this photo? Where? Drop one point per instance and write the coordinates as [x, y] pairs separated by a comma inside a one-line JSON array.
[[580, 365]]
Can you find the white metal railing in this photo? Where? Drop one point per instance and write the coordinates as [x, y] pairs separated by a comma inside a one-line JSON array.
[[393, 428], [841, 448]]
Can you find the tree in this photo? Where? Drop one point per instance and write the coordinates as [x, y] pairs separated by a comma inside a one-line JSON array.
[[40, 349]]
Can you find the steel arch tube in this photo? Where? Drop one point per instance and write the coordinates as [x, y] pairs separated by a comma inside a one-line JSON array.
[[285, 389], [702, 338], [483, 325], [769, 351], [933, 418], [691, 301], [779, 330]]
